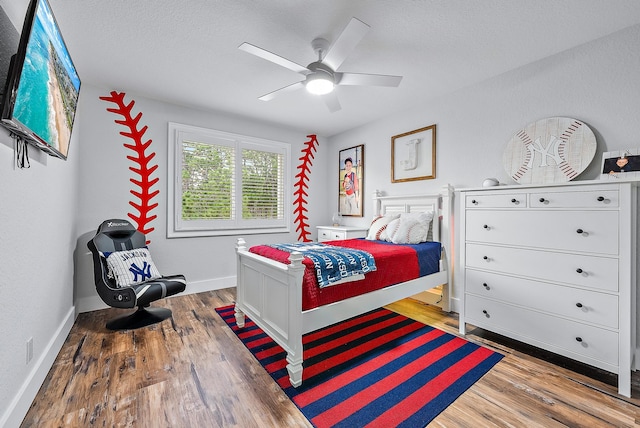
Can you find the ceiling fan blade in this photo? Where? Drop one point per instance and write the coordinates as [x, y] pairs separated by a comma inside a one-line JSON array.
[[289, 88], [358, 79], [331, 100], [344, 44], [277, 59]]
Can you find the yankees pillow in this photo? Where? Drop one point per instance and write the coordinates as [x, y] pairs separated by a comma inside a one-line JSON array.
[[131, 267]]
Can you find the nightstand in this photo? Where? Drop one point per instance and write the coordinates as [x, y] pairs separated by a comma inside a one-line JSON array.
[[334, 233]]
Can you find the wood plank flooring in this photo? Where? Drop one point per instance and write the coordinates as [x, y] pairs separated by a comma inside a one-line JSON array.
[[191, 371]]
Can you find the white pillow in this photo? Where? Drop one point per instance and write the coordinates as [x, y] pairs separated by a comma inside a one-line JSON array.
[[377, 230], [411, 228], [132, 267]]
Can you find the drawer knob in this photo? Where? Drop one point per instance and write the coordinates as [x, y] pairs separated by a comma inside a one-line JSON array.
[[578, 339], [579, 270], [485, 258], [543, 200], [600, 198], [515, 201], [579, 231], [486, 226], [579, 305], [486, 286], [486, 313], [474, 202]]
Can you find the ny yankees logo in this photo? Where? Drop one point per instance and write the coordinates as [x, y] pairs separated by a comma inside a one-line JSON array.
[[144, 272], [537, 147]]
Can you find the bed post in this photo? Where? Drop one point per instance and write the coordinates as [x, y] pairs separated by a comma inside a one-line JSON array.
[[294, 339], [241, 245], [446, 237], [377, 204]]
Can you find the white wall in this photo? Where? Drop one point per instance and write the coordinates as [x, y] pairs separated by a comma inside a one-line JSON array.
[[37, 239], [208, 262], [596, 83]]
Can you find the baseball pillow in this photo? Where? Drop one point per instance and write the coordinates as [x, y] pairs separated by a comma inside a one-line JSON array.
[[131, 267], [411, 228], [378, 228]]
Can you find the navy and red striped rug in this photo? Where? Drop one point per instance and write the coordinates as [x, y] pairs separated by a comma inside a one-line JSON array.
[[377, 369]]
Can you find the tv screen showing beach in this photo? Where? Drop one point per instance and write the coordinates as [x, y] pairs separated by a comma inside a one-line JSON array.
[[49, 86]]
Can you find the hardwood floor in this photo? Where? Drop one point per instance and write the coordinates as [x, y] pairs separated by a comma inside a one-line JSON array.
[[191, 371]]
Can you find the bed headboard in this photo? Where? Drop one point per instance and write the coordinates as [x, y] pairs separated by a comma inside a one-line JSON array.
[[439, 203]]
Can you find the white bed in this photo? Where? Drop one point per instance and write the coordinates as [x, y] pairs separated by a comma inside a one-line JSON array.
[[270, 293]]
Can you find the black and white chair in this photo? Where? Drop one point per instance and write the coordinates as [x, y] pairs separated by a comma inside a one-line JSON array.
[[126, 276]]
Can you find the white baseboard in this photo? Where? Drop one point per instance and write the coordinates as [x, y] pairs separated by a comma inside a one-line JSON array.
[[22, 401], [94, 303]]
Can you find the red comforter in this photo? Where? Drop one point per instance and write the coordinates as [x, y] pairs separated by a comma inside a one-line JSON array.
[[395, 264]]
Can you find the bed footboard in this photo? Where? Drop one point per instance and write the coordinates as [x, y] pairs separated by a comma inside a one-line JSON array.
[[270, 293]]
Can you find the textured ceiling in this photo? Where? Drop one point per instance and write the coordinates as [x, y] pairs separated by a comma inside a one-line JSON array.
[[187, 53]]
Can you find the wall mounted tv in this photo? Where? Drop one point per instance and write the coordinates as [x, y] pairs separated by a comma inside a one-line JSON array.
[[41, 91]]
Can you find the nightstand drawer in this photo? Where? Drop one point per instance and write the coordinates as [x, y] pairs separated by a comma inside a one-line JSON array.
[[338, 233], [331, 235]]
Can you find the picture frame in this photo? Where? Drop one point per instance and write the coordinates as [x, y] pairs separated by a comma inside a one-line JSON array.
[[621, 164], [413, 155], [351, 181]]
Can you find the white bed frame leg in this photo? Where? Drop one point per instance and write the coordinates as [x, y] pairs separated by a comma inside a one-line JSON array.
[[295, 369], [239, 318]]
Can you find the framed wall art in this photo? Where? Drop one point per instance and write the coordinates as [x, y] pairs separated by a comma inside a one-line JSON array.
[[620, 164], [413, 155], [350, 180]]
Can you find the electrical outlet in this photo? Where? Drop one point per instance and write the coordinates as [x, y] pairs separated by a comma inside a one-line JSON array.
[[29, 350]]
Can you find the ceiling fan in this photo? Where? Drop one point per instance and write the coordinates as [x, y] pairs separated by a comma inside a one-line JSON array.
[[321, 76]]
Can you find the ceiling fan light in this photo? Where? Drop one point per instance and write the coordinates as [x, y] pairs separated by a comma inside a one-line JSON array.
[[319, 84]]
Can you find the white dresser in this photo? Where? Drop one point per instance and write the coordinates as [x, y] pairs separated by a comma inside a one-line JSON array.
[[554, 266], [335, 233]]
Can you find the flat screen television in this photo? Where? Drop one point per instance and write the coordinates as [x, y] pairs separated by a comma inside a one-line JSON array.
[[42, 88]]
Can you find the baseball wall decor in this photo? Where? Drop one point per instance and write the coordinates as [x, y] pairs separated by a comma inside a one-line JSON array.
[[143, 167], [301, 185], [551, 150]]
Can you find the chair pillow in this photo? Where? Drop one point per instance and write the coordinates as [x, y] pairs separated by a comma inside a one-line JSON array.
[[377, 230], [132, 267], [411, 228]]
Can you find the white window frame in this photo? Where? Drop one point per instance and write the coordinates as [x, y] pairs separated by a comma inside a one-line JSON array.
[[179, 228]]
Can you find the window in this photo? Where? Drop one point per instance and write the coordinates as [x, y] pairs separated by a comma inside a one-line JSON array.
[[225, 184]]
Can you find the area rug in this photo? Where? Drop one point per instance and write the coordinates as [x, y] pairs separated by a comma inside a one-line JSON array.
[[379, 369]]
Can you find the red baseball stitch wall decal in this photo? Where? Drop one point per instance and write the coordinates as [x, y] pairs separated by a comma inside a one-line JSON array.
[[143, 167], [300, 185]]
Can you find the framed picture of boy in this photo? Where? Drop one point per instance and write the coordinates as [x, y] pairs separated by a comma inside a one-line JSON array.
[[350, 180], [621, 164]]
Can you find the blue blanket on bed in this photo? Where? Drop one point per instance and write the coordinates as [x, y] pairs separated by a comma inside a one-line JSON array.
[[332, 263]]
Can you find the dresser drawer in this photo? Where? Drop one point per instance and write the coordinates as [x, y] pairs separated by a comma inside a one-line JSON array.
[[598, 273], [583, 231], [331, 235], [575, 303], [506, 200], [589, 344], [588, 199]]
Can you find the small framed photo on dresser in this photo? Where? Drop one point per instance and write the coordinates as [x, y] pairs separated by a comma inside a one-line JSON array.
[[622, 164]]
